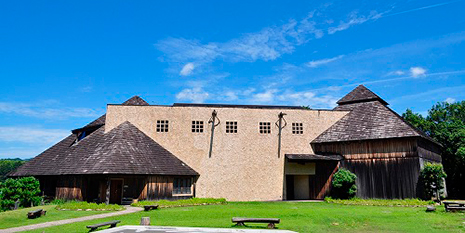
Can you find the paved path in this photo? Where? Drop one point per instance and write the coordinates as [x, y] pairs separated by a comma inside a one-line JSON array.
[[128, 210], [158, 229]]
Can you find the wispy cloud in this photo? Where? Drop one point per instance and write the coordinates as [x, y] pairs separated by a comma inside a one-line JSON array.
[[267, 44], [31, 135], [196, 95], [354, 19], [187, 69], [431, 94], [316, 63], [46, 112], [421, 8]]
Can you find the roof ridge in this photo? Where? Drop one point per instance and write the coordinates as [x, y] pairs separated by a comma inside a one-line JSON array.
[[360, 94]]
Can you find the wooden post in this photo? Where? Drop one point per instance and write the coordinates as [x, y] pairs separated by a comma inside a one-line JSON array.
[[107, 193], [145, 221]]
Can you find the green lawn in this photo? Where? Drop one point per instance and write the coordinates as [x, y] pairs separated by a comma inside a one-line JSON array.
[[296, 216], [16, 218]]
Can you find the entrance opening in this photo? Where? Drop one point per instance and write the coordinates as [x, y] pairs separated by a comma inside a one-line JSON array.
[[116, 191]]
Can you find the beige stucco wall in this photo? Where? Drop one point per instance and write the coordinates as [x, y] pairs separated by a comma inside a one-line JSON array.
[[244, 166]]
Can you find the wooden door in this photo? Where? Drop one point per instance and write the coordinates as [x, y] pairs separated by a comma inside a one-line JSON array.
[[116, 190]]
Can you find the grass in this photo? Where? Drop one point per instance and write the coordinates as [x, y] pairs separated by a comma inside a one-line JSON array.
[[182, 202], [82, 205], [296, 216], [16, 218], [381, 202]]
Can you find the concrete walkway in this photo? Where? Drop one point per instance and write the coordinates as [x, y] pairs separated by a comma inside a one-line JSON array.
[[159, 229], [128, 210]]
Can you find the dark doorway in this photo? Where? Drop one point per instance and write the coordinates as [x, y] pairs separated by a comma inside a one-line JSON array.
[[290, 187], [116, 191]]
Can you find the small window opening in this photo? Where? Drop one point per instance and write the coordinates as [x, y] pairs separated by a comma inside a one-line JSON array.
[[197, 126], [162, 126], [231, 126], [265, 127], [297, 128]]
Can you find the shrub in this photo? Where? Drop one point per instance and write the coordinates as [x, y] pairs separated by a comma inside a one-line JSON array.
[[380, 202], [432, 179], [25, 189], [82, 205], [182, 202], [344, 184]]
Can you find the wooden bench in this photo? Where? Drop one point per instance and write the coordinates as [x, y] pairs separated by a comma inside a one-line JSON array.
[[454, 205], [96, 226], [271, 221], [150, 207], [36, 213]]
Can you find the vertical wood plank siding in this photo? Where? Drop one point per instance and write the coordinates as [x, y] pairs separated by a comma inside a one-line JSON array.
[[385, 178], [69, 188], [386, 168], [159, 187], [320, 183]]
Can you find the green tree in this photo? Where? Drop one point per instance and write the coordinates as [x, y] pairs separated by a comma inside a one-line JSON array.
[[8, 165], [446, 124], [25, 189], [344, 184], [432, 178]]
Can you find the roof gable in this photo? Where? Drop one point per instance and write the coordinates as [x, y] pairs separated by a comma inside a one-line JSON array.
[[123, 150], [360, 94]]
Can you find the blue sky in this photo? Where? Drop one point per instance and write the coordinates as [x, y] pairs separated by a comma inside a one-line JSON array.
[[61, 62]]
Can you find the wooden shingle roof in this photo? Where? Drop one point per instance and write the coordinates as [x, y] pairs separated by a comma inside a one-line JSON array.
[[360, 94], [368, 118], [123, 150]]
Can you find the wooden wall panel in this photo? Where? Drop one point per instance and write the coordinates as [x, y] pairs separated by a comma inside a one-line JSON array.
[[69, 188], [385, 178], [159, 187], [370, 149]]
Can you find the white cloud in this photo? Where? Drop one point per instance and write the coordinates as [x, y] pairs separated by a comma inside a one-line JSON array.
[[264, 97], [196, 95], [396, 72], [310, 98], [187, 69], [32, 135], [41, 111], [450, 100], [267, 44], [354, 19], [417, 71], [316, 63]]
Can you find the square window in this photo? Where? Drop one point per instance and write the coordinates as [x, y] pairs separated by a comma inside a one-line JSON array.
[[297, 128], [231, 126], [162, 126], [182, 186], [197, 126], [264, 127]]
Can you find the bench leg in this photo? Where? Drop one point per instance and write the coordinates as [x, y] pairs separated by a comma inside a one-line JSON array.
[[271, 226], [113, 225], [240, 224], [93, 229]]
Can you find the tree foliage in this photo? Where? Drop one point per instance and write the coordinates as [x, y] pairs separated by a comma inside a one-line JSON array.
[[446, 124], [25, 189], [8, 165], [344, 184], [432, 178]]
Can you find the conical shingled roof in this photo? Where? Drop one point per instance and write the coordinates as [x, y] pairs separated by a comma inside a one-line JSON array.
[[369, 118], [122, 150], [360, 94]]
